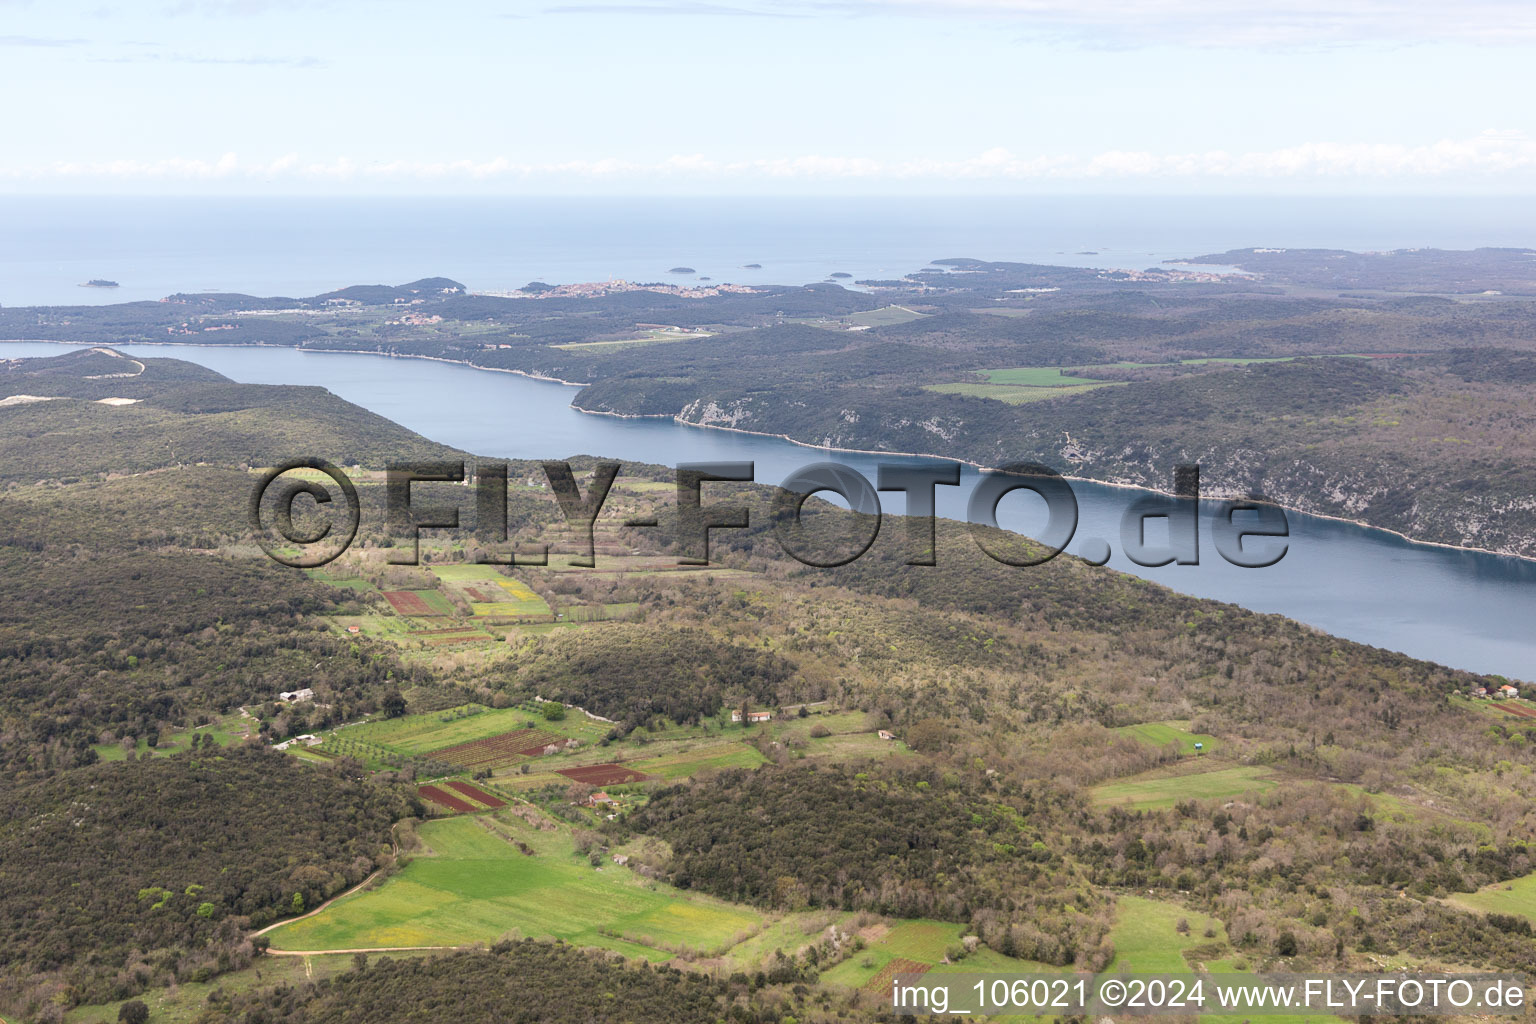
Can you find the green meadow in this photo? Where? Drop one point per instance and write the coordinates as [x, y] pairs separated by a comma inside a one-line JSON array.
[[465, 572], [1036, 377], [477, 886], [926, 942], [1160, 734], [1158, 790], [886, 316], [227, 731], [687, 762], [1016, 394], [434, 730], [1148, 940], [1517, 896]]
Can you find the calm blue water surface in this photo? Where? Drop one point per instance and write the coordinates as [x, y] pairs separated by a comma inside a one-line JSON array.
[[1460, 608], [156, 246]]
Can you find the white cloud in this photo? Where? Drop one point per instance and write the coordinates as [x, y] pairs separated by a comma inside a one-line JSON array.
[[1281, 23], [1492, 154]]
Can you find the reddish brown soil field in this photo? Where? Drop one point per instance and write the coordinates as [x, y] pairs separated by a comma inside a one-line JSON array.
[[497, 751], [406, 603], [900, 965], [1518, 709], [603, 774], [476, 793], [445, 799]]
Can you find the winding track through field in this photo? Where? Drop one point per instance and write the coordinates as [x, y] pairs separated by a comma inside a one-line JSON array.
[[394, 849], [379, 949], [328, 952]]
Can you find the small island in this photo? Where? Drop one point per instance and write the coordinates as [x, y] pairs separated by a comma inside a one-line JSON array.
[[839, 274], [100, 282], [751, 266], [682, 270]]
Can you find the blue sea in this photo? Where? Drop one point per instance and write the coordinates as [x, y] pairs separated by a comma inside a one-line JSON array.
[[155, 246], [1461, 608]]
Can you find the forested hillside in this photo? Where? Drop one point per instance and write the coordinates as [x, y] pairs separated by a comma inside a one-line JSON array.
[[521, 981], [117, 877]]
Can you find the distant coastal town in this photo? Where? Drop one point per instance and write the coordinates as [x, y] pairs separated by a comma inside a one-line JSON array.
[[597, 289]]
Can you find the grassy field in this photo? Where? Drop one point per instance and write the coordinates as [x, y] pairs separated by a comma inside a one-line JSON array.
[[517, 599], [601, 613], [925, 942], [687, 762], [424, 733], [436, 603], [1147, 938], [227, 731], [1016, 394], [1160, 734], [477, 886], [839, 723], [185, 1002], [1021, 384], [1158, 790], [649, 338], [886, 316], [1036, 377], [465, 573], [1517, 896], [1148, 941]]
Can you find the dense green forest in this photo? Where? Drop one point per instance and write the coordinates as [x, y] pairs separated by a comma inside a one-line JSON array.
[[116, 877], [634, 673], [512, 982], [908, 844]]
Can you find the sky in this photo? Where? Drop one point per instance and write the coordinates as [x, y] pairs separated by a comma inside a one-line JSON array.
[[781, 97]]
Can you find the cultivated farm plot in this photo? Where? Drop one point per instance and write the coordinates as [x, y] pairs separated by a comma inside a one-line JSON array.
[[515, 599], [1520, 710], [423, 734], [688, 762], [603, 774], [881, 982], [498, 751], [475, 793], [1159, 790], [445, 799], [418, 603], [478, 886]]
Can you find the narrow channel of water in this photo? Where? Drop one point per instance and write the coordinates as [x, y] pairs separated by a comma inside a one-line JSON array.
[[1461, 608]]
